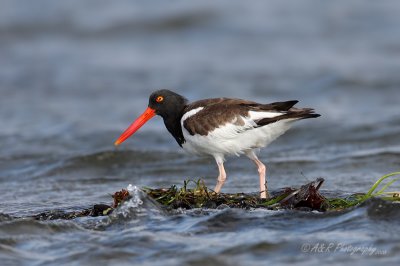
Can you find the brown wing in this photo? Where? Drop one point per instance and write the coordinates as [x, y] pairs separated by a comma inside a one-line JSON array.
[[253, 106], [220, 111], [214, 101], [213, 116], [216, 113]]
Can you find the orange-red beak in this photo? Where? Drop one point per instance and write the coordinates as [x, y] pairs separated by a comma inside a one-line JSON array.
[[138, 123]]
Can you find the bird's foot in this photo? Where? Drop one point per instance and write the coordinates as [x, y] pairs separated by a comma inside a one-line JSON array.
[[218, 187], [264, 195]]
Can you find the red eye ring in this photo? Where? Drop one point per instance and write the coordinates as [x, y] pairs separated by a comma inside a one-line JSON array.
[[159, 99]]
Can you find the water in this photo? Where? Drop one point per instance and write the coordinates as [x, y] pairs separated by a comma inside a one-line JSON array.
[[74, 74]]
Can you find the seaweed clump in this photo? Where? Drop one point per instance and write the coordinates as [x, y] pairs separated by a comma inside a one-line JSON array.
[[119, 197], [194, 194], [307, 197], [358, 198]]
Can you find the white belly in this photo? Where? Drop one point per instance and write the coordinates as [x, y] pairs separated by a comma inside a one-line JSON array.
[[231, 139]]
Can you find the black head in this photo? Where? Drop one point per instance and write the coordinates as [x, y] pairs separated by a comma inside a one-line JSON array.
[[169, 106], [167, 103]]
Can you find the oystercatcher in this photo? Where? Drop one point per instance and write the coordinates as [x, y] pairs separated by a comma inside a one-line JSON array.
[[221, 127]]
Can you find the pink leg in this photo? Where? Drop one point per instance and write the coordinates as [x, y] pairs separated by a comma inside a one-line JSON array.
[[222, 174], [261, 171]]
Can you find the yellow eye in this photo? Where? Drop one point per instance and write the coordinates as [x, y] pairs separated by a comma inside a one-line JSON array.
[[159, 99]]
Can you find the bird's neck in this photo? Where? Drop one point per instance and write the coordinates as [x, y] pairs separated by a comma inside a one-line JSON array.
[[173, 124]]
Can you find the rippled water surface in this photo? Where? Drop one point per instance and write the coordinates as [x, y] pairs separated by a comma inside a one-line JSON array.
[[74, 74]]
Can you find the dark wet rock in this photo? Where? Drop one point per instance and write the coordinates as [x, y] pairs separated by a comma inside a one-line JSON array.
[[181, 204], [101, 210], [96, 210], [209, 204], [307, 197], [5, 217], [382, 209]]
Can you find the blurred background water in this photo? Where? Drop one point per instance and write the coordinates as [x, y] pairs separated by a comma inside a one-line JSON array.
[[74, 74]]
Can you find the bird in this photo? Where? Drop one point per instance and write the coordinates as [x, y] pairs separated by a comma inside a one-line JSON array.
[[221, 127]]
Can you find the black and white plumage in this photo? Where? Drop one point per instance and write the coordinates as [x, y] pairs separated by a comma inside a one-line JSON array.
[[222, 126]]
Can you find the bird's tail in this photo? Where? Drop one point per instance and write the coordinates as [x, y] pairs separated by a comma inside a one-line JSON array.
[[292, 113]]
